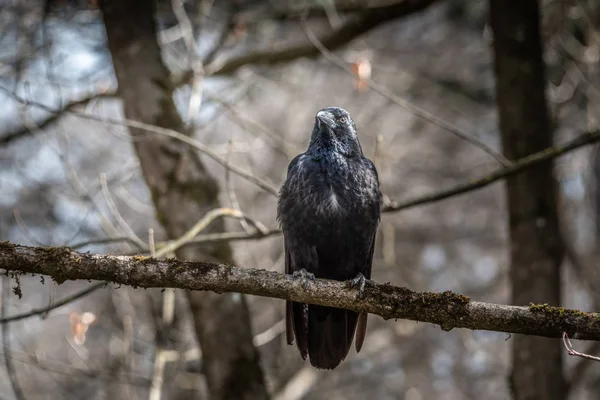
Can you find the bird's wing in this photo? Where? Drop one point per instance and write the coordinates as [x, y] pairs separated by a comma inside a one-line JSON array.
[[362, 318], [289, 313], [361, 326], [296, 314], [285, 196], [297, 254]]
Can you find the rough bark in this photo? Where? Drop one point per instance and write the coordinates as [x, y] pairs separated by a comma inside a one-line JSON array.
[[448, 310], [182, 192], [536, 249]]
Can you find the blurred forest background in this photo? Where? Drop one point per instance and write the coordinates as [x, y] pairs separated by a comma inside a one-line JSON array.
[[241, 81]]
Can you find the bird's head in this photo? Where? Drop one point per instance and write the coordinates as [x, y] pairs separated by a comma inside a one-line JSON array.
[[335, 130]]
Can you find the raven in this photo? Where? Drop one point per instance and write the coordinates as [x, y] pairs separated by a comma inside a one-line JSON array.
[[329, 208]]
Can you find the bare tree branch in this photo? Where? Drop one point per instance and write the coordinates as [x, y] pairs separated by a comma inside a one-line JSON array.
[[218, 45], [356, 26], [294, 10], [448, 310], [57, 304], [22, 131], [572, 352], [6, 346], [501, 173]]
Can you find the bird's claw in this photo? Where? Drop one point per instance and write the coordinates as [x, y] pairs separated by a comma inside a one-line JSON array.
[[304, 275], [359, 283]]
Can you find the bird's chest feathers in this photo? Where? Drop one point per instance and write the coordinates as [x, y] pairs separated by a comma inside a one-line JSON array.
[[330, 203], [331, 186]]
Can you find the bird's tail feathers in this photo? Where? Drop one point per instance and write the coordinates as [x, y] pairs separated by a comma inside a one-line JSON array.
[[330, 334], [296, 321]]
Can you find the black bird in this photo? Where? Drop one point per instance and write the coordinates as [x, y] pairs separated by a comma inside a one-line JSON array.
[[329, 209]]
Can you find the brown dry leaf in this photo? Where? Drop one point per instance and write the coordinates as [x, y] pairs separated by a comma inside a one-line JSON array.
[[362, 71], [80, 324]]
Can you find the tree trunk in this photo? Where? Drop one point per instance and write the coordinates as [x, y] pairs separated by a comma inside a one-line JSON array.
[[182, 192], [536, 247]]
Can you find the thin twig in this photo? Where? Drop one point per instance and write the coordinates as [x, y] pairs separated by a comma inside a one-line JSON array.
[[235, 236], [230, 189], [572, 352], [332, 13], [249, 124], [222, 39], [6, 347], [109, 240], [126, 312], [579, 370], [151, 243], [24, 228], [196, 65], [21, 132], [267, 336], [84, 194], [129, 353], [44, 310], [99, 374], [299, 384], [162, 355], [209, 217], [117, 215]]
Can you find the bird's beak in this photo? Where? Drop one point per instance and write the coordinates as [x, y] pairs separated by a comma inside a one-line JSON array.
[[325, 117]]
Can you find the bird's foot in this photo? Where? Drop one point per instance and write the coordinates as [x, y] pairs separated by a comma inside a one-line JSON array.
[[303, 273], [359, 283], [305, 276]]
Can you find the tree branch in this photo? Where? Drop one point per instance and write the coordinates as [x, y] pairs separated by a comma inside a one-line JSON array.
[[356, 26], [515, 168], [22, 131], [314, 9], [6, 345], [44, 310], [447, 309], [572, 352]]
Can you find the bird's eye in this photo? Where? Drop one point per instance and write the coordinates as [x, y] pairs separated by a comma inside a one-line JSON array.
[[342, 120]]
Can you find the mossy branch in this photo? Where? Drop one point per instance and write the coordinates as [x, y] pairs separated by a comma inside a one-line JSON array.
[[448, 310]]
